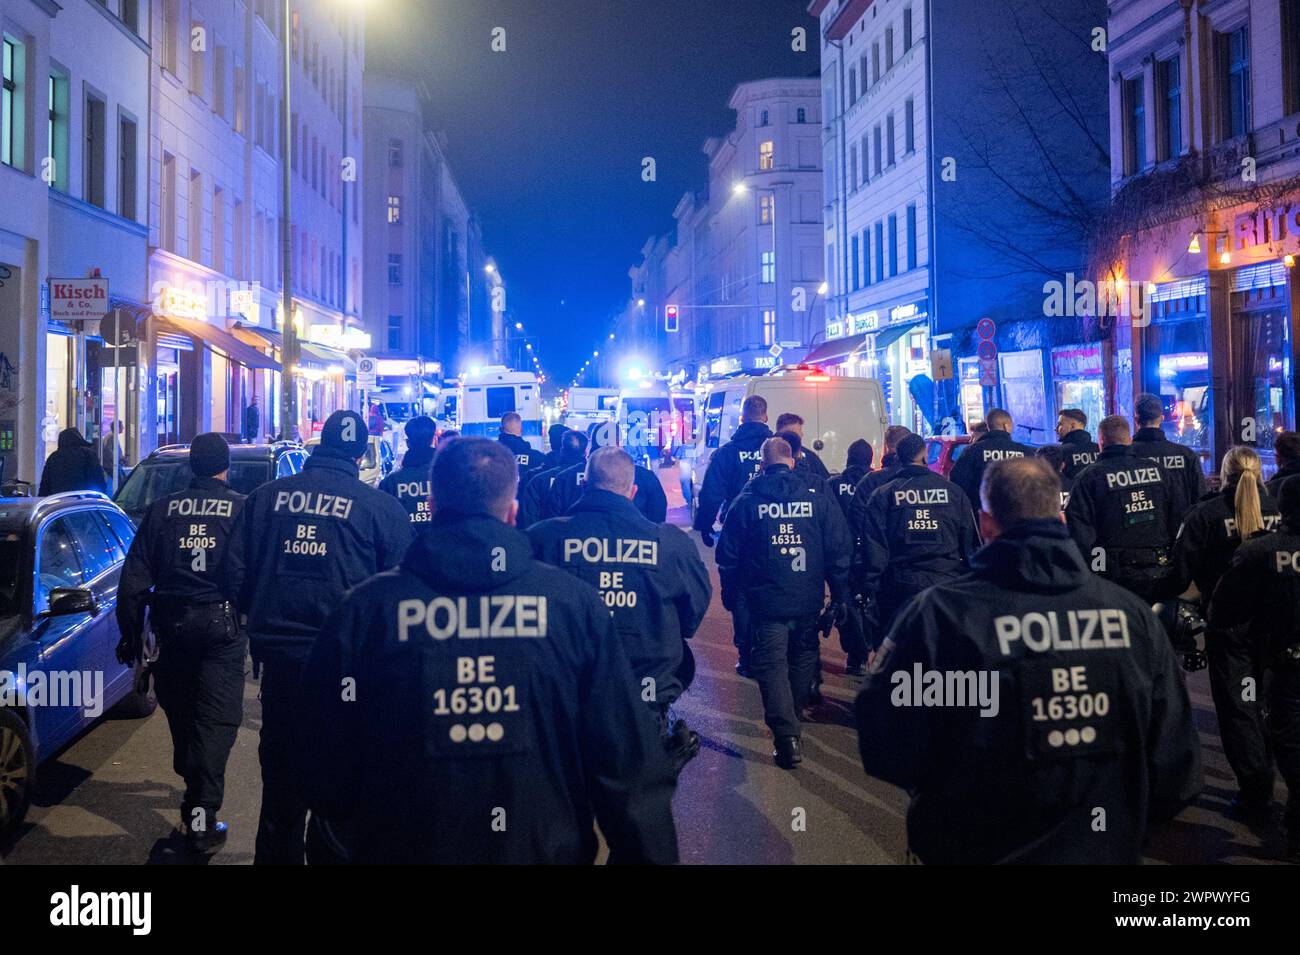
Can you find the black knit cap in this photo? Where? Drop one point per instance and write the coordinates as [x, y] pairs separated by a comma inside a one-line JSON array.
[[345, 431], [209, 455]]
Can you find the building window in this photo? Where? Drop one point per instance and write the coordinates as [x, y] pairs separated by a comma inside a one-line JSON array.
[[394, 210], [58, 130], [889, 138], [875, 142], [218, 229], [395, 153], [394, 333], [96, 139], [853, 168], [801, 115], [909, 125], [167, 201], [766, 155], [911, 237], [171, 16], [766, 208], [1233, 51], [855, 249], [866, 257], [769, 268], [11, 103], [853, 86], [880, 251], [889, 48], [394, 269], [893, 245], [875, 63], [195, 215], [907, 29], [769, 326], [219, 81], [1291, 53], [1134, 126], [126, 167], [239, 99], [1169, 94], [762, 118], [129, 13], [198, 63]]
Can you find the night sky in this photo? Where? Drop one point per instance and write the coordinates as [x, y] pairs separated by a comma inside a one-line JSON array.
[[547, 138]]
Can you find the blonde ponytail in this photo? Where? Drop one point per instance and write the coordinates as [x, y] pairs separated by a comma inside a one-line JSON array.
[[1242, 464]]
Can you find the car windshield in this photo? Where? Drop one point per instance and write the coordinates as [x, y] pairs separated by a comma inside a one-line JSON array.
[[149, 482]]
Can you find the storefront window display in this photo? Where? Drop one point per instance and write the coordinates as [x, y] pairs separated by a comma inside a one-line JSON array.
[[1262, 377], [1176, 350], [1077, 378], [1025, 396]]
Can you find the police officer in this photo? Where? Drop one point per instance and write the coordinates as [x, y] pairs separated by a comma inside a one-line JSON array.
[[512, 430], [843, 485], [649, 575], [1181, 464], [555, 437], [1054, 457], [297, 546], [996, 445], [1256, 610], [919, 531], [1123, 515], [410, 483], [1286, 448], [532, 499], [807, 458], [565, 490], [1212, 532], [784, 541], [1078, 450], [495, 715], [171, 568], [1099, 716]]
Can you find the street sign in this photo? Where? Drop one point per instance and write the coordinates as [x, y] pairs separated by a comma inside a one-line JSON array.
[[941, 364], [124, 356], [988, 373], [78, 300], [118, 327], [775, 351], [986, 329], [986, 350], [367, 373]]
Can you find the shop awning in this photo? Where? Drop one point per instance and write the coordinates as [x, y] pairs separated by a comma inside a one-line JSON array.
[[316, 355], [835, 349], [887, 336], [257, 336], [220, 341]]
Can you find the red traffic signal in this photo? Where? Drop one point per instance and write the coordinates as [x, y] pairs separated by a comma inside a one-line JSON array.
[[670, 318]]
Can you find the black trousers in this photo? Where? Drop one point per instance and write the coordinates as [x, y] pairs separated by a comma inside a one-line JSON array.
[[282, 824], [1232, 658], [743, 628], [853, 639], [199, 679], [784, 660], [1284, 731]]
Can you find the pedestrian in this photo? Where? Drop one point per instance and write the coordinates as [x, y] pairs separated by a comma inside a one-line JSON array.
[[1053, 456], [566, 487], [807, 457], [73, 466], [996, 445], [171, 569], [783, 543], [495, 716], [1256, 608], [410, 483], [844, 485], [533, 498], [729, 470], [1093, 737], [650, 576], [1211, 534], [1286, 449], [1078, 450], [529, 459], [298, 545], [1181, 465], [1122, 514], [919, 531], [554, 436], [253, 420]]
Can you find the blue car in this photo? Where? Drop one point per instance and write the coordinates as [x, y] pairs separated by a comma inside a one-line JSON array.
[[60, 559]]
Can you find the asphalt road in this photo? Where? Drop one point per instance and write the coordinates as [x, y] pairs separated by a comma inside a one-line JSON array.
[[112, 798]]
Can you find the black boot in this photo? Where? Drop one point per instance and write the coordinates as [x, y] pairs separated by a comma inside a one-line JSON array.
[[207, 842], [683, 745], [789, 752]]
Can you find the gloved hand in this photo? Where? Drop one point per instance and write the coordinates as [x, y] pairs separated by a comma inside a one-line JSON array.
[[840, 612], [707, 538], [129, 650]]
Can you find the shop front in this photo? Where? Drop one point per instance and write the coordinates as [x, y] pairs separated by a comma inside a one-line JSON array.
[[1078, 380]]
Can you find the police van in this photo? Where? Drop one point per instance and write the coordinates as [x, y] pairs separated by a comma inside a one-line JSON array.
[[486, 394], [836, 411]]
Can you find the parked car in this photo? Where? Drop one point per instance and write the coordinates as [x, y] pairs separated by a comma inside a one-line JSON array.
[[167, 471], [60, 559], [377, 463], [942, 452]]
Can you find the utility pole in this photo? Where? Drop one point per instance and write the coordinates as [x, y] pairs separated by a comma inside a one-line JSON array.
[[289, 353]]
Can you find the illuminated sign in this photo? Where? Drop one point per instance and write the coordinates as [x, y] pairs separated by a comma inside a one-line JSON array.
[[764, 362], [241, 301], [77, 299], [834, 329], [903, 312], [350, 339], [725, 366], [178, 303]]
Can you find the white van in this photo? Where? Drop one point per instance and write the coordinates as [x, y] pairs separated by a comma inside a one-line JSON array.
[[588, 406], [836, 412], [488, 393]]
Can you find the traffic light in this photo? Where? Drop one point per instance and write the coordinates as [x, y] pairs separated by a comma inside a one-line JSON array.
[[670, 319]]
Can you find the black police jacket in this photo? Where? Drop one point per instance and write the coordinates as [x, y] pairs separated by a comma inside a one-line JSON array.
[[649, 575], [783, 543], [494, 715], [1091, 711], [918, 531], [1181, 463], [410, 484], [1209, 538], [845, 485], [73, 466], [975, 460], [867, 486], [567, 487], [1260, 592], [1123, 505], [730, 467], [809, 460], [300, 543], [1274, 484], [532, 497], [1078, 450], [177, 552], [528, 457]]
